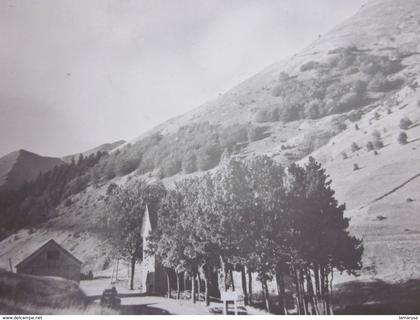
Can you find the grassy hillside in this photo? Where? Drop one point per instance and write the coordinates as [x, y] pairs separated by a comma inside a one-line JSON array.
[[350, 87]]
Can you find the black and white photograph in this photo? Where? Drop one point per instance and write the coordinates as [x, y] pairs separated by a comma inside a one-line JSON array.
[[209, 157]]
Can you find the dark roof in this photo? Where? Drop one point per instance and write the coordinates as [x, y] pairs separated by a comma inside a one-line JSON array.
[[36, 252]]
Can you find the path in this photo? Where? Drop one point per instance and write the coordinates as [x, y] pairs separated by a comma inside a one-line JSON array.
[[161, 305]]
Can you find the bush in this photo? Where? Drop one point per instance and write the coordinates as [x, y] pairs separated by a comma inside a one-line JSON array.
[[403, 138], [312, 110], [344, 155], [378, 144], [256, 133], [267, 114], [208, 157], [354, 147], [355, 115], [171, 165], [189, 162], [309, 66], [232, 135], [370, 146], [381, 83], [356, 127], [127, 166], [405, 123], [376, 135], [355, 167]]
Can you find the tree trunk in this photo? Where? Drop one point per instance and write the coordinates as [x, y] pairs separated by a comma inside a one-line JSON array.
[[280, 290], [243, 278], [193, 297], [206, 289], [250, 286], [311, 293], [232, 281], [331, 292], [168, 282], [304, 293], [133, 267], [185, 281], [318, 290], [326, 293], [178, 284], [266, 295], [116, 272], [198, 287], [298, 292], [222, 274]]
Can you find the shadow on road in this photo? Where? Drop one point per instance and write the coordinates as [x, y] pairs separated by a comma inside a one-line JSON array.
[[142, 309]]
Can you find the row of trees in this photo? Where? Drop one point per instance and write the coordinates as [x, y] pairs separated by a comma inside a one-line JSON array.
[[254, 216]]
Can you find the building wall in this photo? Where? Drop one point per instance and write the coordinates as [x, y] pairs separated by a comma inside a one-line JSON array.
[[153, 279], [52, 262]]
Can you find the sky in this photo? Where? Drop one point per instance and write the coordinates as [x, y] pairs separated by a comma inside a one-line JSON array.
[[78, 73]]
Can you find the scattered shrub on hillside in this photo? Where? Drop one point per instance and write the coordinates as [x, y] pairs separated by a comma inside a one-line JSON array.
[[312, 109], [355, 167], [352, 71], [267, 114], [349, 101], [356, 127], [375, 152], [405, 123], [378, 144], [189, 162], [283, 76], [381, 83], [208, 157], [256, 133], [291, 112], [171, 165], [309, 66], [111, 188], [370, 146], [354, 147], [359, 87], [126, 166], [376, 135], [355, 115], [338, 126], [403, 138], [389, 111], [277, 91], [376, 115], [346, 59], [344, 155]]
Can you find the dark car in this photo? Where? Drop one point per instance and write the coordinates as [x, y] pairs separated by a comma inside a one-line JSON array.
[[110, 298]]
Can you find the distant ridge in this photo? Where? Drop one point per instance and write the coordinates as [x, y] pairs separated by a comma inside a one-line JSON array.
[[23, 166], [106, 147]]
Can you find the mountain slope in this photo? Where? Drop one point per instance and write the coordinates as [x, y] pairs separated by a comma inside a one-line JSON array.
[[106, 147], [23, 166], [359, 79]]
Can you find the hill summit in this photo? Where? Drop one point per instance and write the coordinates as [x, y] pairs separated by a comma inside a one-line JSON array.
[[23, 166]]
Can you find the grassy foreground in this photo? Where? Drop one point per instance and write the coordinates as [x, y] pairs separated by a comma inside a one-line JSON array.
[[24, 294], [378, 298]]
